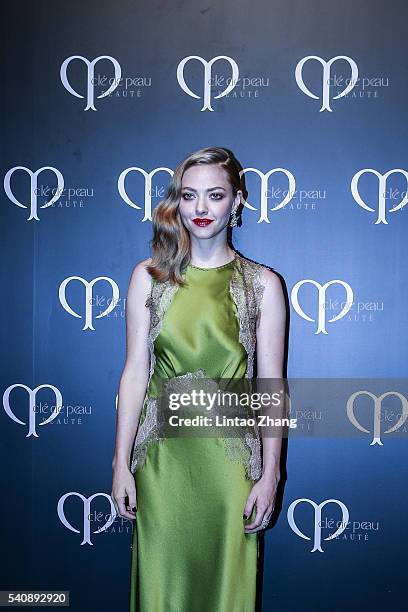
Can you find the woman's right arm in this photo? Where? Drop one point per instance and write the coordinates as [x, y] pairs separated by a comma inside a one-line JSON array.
[[132, 387]]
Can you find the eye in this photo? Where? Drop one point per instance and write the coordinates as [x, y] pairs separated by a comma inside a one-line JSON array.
[[186, 195], [218, 196]]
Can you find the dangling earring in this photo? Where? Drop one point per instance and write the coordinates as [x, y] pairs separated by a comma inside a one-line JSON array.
[[233, 220]]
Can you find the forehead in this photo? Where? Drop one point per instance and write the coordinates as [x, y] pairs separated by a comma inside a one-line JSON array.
[[205, 174]]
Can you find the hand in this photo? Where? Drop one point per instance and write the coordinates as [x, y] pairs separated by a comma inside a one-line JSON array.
[[123, 485], [263, 495]]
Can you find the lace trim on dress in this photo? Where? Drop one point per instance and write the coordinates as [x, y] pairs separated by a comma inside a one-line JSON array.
[[146, 434], [246, 289], [151, 428], [158, 303]]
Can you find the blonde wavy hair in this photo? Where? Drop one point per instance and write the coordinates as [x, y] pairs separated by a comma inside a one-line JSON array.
[[171, 251]]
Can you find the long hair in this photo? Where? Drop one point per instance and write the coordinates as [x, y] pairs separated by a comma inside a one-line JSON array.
[[171, 250]]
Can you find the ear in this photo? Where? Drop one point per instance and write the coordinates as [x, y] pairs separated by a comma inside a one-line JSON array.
[[237, 201]]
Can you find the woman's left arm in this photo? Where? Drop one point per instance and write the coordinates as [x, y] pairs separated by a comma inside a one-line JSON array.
[[270, 355]]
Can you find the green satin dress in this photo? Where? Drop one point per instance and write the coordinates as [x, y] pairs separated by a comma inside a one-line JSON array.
[[189, 549]]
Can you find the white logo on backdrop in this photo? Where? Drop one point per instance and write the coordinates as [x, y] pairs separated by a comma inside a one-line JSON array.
[[147, 188], [264, 190], [90, 95], [377, 413], [31, 408], [33, 189], [321, 326], [86, 525], [207, 78], [317, 543], [326, 78], [382, 184], [88, 298]]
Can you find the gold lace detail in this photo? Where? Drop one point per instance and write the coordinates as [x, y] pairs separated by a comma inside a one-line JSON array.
[[246, 289], [146, 434], [158, 303]]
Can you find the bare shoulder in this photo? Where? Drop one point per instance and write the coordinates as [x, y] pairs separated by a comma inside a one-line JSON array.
[[269, 276], [139, 271], [137, 313], [273, 300], [270, 279], [140, 279]]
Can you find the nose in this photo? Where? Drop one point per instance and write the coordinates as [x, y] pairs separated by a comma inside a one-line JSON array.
[[201, 206]]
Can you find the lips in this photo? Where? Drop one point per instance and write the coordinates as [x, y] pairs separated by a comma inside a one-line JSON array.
[[202, 222]]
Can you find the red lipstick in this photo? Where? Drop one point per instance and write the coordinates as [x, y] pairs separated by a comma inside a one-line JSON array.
[[202, 222]]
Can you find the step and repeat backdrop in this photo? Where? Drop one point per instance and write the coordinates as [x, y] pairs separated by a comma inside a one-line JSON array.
[[101, 101]]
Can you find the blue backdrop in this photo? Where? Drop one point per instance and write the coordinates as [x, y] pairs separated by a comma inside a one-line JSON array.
[[317, 99]]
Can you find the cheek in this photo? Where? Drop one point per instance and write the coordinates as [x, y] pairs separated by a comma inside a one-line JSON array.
[[223, 210], [184, 208]]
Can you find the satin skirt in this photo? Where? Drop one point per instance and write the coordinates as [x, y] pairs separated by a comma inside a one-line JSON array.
[[189, 549]]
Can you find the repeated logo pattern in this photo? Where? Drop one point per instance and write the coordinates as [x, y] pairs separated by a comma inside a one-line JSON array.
[[196, 69]]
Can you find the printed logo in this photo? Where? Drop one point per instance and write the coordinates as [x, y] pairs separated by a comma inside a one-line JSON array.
[[90, 95], [86, 524], [33, 189], [207, 78], [88, 299], [382, 183], [264, 190], [326, 78], [31, 409], [317, 536], [321, 325], [377, 403], [147, 188]]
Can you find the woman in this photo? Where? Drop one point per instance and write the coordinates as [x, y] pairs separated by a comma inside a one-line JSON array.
[[196, 309]]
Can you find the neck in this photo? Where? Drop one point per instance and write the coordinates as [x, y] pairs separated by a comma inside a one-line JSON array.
[[213, 257]]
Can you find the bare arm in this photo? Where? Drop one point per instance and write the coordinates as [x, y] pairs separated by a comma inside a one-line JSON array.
[[132, 386], [270, 354]]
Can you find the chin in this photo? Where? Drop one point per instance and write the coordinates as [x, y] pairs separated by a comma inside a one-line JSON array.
[[202, 233]]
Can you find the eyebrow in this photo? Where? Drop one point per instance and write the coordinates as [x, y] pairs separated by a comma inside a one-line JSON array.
[[211, 188]]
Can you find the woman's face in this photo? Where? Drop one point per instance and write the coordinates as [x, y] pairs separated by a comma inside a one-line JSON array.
[[206, 200]]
